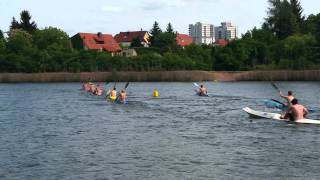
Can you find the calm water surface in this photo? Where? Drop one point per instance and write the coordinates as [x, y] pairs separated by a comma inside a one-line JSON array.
[[57, 131]]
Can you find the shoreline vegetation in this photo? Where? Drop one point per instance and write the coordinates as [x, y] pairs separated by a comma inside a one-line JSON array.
[[161, 76], [287, 40]]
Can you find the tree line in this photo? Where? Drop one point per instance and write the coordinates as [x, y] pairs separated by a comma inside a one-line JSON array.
[[286, 40]]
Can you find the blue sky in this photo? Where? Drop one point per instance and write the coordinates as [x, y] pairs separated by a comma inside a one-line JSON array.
[[113, 16]]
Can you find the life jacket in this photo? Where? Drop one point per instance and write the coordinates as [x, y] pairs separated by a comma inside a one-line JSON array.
[[113, 95]]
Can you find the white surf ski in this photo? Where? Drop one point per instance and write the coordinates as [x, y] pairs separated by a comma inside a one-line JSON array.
[[276, 116]]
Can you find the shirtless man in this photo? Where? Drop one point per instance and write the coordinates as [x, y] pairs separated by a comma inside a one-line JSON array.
[[123, 96], [99, 90], [203, 91], [296, 111], [288, 98]]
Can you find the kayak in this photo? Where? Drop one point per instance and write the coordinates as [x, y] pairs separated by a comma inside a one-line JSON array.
[[272, 103], [203, 95], [199, 94], [116, 100], [276, 116]]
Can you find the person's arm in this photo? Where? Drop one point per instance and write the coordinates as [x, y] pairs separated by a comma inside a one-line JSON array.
[[305, 112], [281, 95]]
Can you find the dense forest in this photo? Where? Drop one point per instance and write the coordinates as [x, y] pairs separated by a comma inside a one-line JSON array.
[[286, 40]]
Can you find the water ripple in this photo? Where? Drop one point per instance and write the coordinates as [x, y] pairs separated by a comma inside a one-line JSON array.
[[56, 131]]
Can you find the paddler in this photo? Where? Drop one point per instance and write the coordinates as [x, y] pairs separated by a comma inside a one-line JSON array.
[[113, 94], [123, 96], [203, 91], [296, 111], [99, 90], [92, 87], [288, 98]]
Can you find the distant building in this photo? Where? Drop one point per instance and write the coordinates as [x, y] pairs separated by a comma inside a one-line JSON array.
[[221, 42], [125, 38], [184, 40], [128, 52], [99, 41], [202, 33], [226, 31]]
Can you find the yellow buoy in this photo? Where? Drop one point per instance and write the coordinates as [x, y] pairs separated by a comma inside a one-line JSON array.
[[155, 93]]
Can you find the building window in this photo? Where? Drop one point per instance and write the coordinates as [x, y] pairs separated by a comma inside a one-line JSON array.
[[99, 42]]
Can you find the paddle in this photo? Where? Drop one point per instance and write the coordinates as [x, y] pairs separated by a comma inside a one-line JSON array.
[[127, 84], [107, 92], [196, 85], [275, 86], [278, 102]]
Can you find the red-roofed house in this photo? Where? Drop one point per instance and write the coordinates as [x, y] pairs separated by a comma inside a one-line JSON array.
[[221, 42], [125, 38], [99, 41], [184, 40]]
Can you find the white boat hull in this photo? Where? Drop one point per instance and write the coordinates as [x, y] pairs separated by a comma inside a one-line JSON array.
[[276, 116]]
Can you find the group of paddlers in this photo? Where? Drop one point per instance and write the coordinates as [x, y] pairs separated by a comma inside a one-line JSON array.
[[112, 94], [95, 89], [294, 110]]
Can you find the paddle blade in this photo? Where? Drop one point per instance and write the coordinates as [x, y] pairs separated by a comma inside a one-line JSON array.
[[195, 84], [108, 92], [275, 86], [127, 84]]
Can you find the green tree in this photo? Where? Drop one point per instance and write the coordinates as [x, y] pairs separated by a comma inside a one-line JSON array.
[[281, 19], [155, 31], [201, 55], [298, 49], [165, 42], [14, 24], [50, 37], [297, 11], [224, 61], [312, 25], [2, 46], [169, 28], [25, 23], [2, 43], [136, 42], [1, 35], [262, 35], [19, 41]]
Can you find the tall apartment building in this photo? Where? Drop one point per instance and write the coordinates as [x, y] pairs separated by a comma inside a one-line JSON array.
[[202, 33], [226, 31]]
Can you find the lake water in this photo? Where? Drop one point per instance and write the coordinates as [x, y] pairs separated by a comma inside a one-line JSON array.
[[57, 131]]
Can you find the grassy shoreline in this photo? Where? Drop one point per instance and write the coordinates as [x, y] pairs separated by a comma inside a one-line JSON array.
[[162, 76]]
